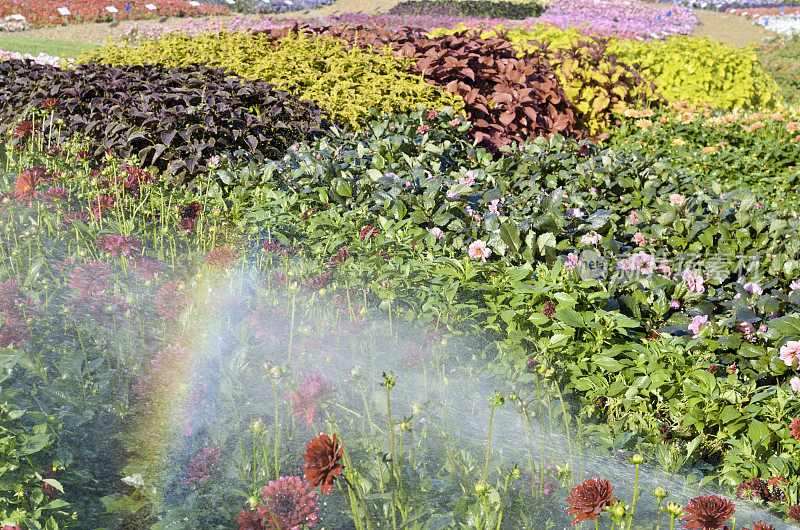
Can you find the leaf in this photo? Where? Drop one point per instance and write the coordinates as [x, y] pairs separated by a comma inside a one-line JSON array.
[[54, 483], [607, 363], [569, 316], [34, 444], [544, 241]]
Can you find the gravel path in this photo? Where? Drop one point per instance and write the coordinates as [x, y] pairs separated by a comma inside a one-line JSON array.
[[726, 28]]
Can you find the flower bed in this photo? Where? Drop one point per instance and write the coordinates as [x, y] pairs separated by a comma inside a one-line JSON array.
[[39, 13]]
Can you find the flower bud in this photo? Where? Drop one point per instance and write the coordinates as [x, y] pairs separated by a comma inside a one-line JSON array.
[[481, 487]]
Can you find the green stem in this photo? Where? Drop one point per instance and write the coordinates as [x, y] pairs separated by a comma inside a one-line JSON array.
[[488, 443], [635, 496]]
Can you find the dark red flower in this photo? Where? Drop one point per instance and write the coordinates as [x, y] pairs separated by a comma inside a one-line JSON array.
[[191, 210], [368, 231], [275, 247], [304, 401], [91, 278], [761, 525], [101, 203], [24, 128], [116, 244], [289, 504], [251, 519], [199, 468], [187, 225], [15, 331], [10, 527], [322, 457], [794, 512], [794, 428], [589, 499], [318, 281], [339, 258], [26, 183], [170, 301], [221, 258], [146, 268], [51, 103], [549, 309], [708, 512]]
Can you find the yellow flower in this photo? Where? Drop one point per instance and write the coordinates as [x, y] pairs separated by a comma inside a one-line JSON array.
[[710, 150], [644, 123], [678, 141]]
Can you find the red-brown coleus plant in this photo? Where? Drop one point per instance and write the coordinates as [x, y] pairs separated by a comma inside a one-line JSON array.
[[507, 98]]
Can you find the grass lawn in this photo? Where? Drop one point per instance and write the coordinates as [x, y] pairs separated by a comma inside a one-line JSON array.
[[34, 46]]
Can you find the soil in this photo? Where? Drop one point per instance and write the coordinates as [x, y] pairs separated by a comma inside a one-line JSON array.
[[726, 28]]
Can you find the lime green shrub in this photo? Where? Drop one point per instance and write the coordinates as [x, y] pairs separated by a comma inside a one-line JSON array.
[[702, 71], [683, 68], [343, 82]]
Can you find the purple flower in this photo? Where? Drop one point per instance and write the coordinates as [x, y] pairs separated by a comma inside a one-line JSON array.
[[575, 212]]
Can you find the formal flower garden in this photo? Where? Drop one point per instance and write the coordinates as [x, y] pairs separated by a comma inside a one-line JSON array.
[[456, 265]]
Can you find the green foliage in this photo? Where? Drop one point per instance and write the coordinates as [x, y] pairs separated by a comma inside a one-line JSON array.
[[598, 83], [780, 58], [343, 82], [702, 71], [29, 492]]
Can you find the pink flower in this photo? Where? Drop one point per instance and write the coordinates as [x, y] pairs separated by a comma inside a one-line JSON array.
[[664, 269], [674, 304], [795, 285], [455, 122], [676, 199], [640, 262], [468, 179], [639, 239], [575, 212], [790, 352], [753, 289], [478, 250], [759, 205], [493, 206], [591, 238], [433, 114], [572, 261], [437, 232], [116, 244], [794, 382], [214, 161], [633, 217], [697, 323], [694, 281], [422, 129]]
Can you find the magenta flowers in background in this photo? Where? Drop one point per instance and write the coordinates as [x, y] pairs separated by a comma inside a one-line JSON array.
[[630, 19]]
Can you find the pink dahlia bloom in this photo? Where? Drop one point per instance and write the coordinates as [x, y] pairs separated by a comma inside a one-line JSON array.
[[290, 503], [676, 199], [790, 352], [478, 250], [639, 239], [592, 238], [794, 382], [698, 322], [694, 281]]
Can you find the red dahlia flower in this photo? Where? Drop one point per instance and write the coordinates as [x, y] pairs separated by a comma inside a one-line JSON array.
[[794, 428], [322, 457], [589, 499], [794, 512], [289, 504], [708, 512]]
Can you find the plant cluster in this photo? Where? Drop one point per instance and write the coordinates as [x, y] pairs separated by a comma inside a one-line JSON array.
[[468, 8], [40, 13], [171, 118], [780, 59], [682, 68], [702, 71], [344, 82], [597, 82]]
